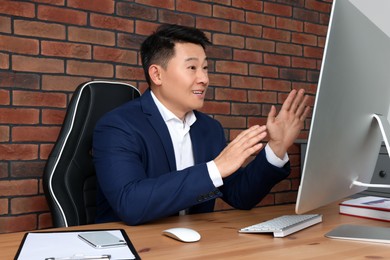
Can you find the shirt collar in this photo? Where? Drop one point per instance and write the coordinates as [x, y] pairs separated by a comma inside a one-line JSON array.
[[167, 115]]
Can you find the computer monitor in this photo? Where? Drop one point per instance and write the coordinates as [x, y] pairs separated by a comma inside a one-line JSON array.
[[351, 111]]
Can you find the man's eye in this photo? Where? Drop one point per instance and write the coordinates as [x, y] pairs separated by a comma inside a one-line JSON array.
[[205, 67], [192, 67]]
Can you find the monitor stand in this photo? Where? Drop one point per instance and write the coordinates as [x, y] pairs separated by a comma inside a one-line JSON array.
[[384, 127], [367, 233]]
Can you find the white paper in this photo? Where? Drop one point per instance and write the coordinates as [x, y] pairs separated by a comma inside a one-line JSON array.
[[39, 246]]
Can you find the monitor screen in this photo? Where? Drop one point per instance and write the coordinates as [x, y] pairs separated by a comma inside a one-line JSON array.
[[351, 110]]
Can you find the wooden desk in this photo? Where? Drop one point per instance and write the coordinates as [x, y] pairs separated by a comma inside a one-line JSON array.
[[220, 238]]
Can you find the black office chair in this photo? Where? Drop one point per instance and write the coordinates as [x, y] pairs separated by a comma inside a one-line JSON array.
[[69, 179]]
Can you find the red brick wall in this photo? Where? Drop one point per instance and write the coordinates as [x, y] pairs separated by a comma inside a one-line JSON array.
[[262, 50]]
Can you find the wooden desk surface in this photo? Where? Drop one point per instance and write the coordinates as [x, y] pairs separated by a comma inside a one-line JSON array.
[[220, 238]]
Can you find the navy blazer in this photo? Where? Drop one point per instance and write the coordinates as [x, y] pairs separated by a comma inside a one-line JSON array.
[[136, 169]]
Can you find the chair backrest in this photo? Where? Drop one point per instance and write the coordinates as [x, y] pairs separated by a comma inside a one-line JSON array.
[[69, 179]]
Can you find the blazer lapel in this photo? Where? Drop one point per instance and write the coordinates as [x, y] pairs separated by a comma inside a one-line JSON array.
[[157, 122]]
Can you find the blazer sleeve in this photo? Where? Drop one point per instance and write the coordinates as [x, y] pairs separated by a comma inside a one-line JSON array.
[[249, 185]]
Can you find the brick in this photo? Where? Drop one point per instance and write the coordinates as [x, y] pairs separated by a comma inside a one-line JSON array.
[[91, 36], [309, 88], [305, 39], [212, 24], [231, 121], [27, 169], [234, 67], [260, 45], [221, 108], [18, 187], [45, 221], [278, 60], [277, 9], [62, 83], [115, 55], [312, 76], [110, 22], [193, 7], [18, 223], [167, 4], [130, 41], [285, 197], [218, 52], [256, 6], [289, 24], [66, 49], [255, 120], [307, 63], [313, 52], [19, 116], [222, 80], [62, 15], [171, 17], [3, 206], [231, 94], [228, 13], [136, 11], [145, 28], [39, 29], [132, 73], [316, 29], [246, 29], [4, 169], [5, 24], [39, 99], [19, 45], [262, 19], [33, 64], [318, 6], [19, 80], [293, 74], [45, 151], [306, 15], [263, 71], [35, 134], [277, 35], [82, 68], [5, 97], [289, 49], [101, 6], [246, 109], [28, 205], [53, 117], [16, 8], [284, 185], [229, 40], [248, 56], [262, 97], [4, 61], [277, 85], [4, 135], [245, 82]]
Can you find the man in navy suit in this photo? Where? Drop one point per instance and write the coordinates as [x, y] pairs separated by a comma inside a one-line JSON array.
[[158, 156]]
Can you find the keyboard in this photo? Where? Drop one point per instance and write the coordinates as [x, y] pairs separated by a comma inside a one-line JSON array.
[[284, 225]]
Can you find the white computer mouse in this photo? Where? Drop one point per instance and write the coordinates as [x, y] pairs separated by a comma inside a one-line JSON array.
[[182, 234]]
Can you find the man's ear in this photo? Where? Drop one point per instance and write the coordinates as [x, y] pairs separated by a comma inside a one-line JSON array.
[[155, 74]]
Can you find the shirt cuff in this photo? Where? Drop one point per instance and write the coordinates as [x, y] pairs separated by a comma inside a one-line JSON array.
[[273, 159], [214, 173]]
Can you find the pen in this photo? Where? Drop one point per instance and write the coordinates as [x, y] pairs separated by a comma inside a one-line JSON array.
[[81, 257]]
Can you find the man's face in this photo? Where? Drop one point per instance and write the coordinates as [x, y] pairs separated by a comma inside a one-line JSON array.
[[185, 80]]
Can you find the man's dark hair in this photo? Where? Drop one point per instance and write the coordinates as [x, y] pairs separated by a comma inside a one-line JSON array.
[[158, 48]]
